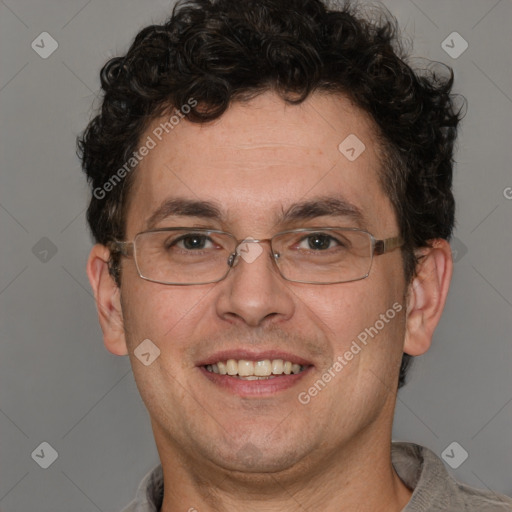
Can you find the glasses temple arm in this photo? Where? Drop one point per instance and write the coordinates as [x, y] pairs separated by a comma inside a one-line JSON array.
[[383, 246], [124, 248]]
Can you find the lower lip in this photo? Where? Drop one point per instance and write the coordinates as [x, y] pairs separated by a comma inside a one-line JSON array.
[[256, 388]]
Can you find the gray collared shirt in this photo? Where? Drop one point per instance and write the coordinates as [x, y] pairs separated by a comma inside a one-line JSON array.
[[418, 467]]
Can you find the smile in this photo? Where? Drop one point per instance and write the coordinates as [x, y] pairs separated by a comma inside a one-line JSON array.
[[255, 370]]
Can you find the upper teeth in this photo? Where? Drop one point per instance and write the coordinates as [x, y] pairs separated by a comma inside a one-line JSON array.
[[245, 368]]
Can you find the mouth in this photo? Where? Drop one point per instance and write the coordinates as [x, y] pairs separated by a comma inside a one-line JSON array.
[[255, 370], [246, 374]]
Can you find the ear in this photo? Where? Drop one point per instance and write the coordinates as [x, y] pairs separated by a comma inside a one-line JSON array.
[[108, 303], [426, 296]]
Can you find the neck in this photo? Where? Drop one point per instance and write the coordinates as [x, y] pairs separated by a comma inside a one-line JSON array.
[[359, 476]]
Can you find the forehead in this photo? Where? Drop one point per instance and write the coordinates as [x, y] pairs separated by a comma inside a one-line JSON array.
[[259, 159]]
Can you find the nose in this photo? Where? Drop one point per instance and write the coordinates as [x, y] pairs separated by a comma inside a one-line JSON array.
[[254, 292]]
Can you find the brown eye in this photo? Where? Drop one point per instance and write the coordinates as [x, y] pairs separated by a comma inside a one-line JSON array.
[[320, 242], [188, 242]]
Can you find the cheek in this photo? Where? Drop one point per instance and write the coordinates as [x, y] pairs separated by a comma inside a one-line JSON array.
[[358, 314], [166, 315], [364, 324]]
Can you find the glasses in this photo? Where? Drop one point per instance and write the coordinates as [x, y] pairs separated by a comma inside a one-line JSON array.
[[189, 256]]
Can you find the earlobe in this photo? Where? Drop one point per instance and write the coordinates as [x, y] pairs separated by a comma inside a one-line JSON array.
[[426, 296], [108, 303]]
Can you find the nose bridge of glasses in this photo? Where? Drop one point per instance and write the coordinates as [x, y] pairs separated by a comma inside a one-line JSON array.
[[248, 252]]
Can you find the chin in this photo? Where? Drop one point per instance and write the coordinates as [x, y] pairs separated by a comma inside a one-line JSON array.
[[261, 452], [252, 459]]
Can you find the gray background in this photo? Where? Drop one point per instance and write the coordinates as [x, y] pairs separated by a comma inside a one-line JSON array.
[[58, 382]]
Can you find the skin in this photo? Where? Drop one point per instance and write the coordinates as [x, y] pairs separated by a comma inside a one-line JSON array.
[[221, 451]]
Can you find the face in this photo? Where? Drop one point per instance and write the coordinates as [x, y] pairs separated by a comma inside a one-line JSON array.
[[254, 163]]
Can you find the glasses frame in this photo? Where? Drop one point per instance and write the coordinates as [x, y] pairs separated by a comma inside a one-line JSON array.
[[378, 247]]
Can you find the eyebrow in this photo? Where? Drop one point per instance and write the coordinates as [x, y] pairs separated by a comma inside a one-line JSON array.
[[301, 211]]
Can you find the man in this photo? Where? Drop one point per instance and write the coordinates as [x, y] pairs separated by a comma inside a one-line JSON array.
[[272, 207]]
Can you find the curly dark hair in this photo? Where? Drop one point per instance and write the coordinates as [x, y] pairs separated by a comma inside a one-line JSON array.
[[223, 51]]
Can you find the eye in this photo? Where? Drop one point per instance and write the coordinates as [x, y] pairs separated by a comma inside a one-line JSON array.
[[190, 242], [318, 242]]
